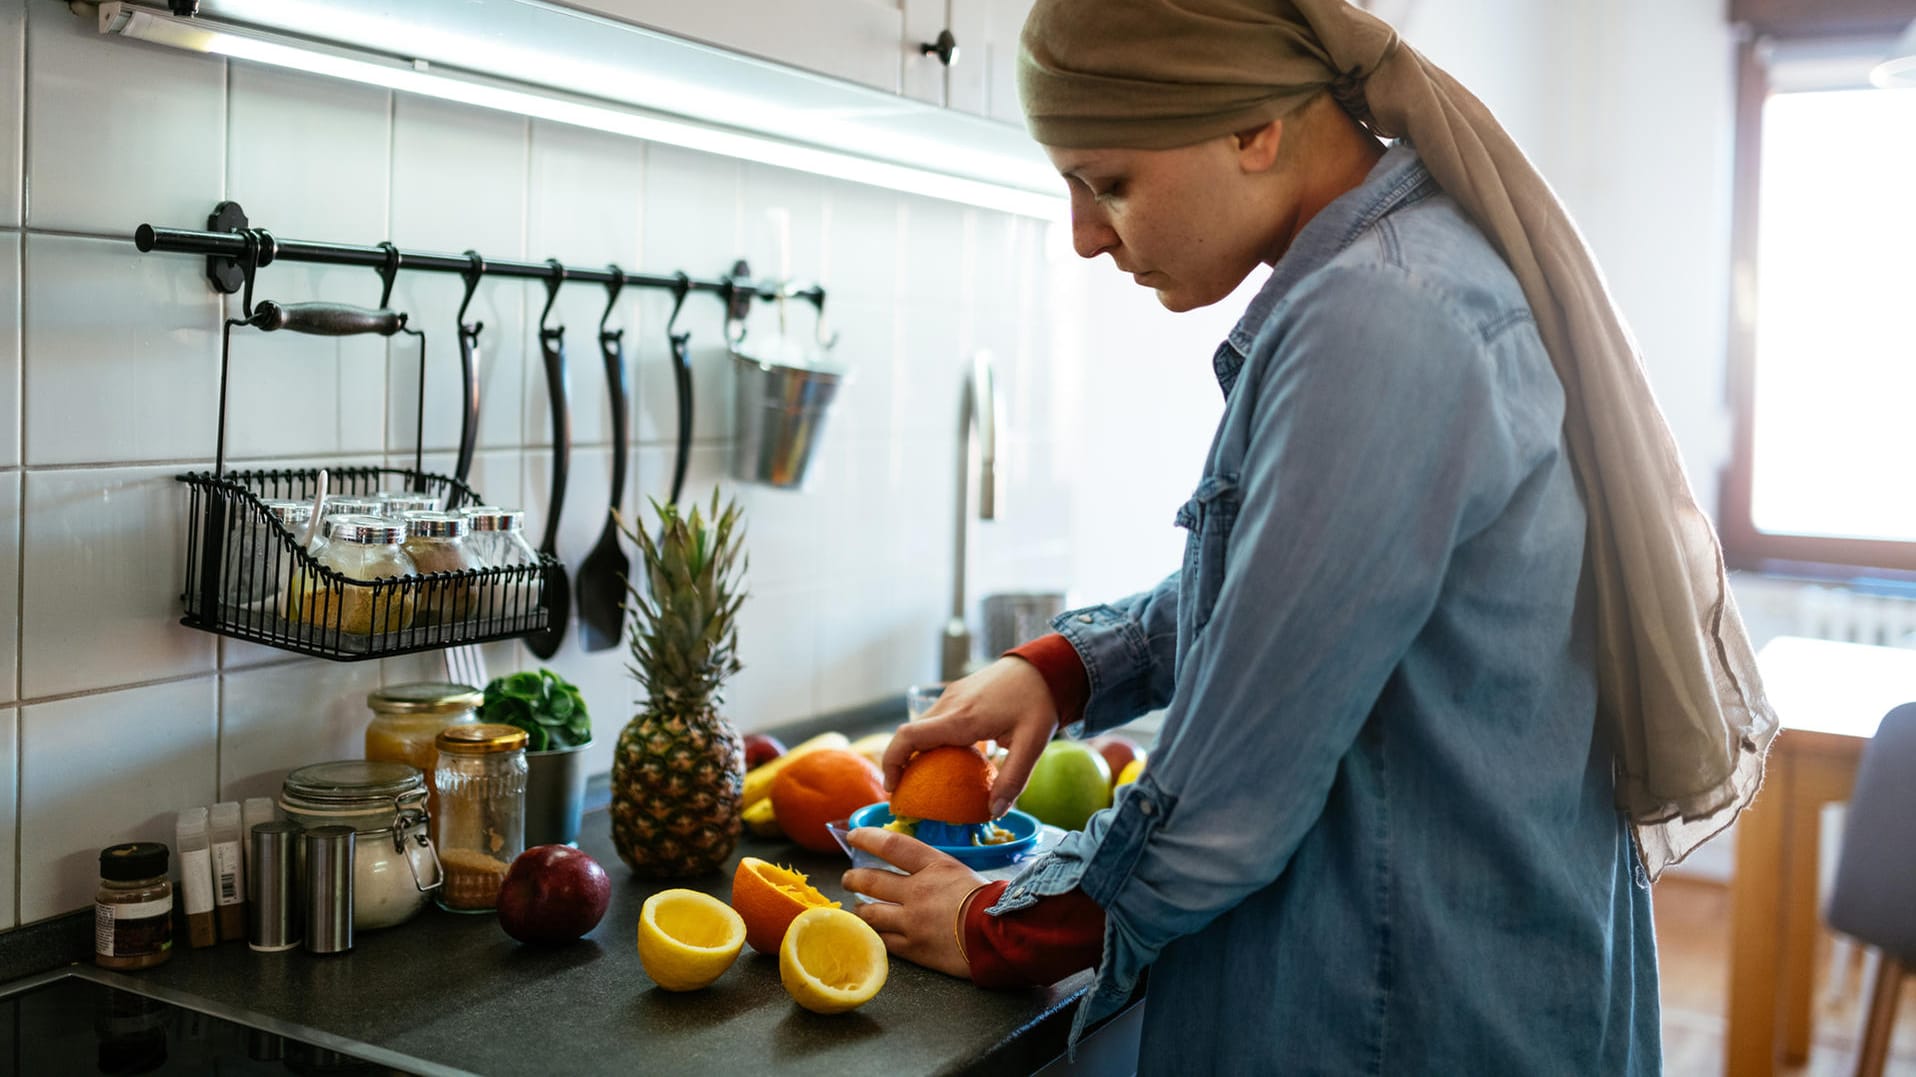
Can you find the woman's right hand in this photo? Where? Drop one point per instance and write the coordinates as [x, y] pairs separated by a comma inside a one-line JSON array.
[[1007, 701]]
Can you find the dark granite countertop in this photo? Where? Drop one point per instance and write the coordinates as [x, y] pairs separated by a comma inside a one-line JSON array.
[[456, 990]]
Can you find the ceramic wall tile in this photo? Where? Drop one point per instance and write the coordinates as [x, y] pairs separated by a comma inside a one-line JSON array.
[[120, 351], [432, 301], [10, 306], [308, 156], [161, 117], [876, 637], [777, 630], [100, 769], [312, 396], [13, 66], [458, 178], [102, 553], [9, 584], [862, 252], [9, 811], [281, 717], [692, 221], [931, 237], [868, 348]]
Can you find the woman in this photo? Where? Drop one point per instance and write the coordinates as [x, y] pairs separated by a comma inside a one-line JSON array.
[[1449, 633]]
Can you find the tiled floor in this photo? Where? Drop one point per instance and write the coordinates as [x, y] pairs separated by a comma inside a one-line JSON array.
[[1693, 940]]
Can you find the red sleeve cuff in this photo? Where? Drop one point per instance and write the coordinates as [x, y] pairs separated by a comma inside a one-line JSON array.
[[1063, 672], [1036, 945]]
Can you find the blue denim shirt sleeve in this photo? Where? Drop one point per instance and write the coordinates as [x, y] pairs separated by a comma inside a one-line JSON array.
[[1373, 447], [1128, 648]]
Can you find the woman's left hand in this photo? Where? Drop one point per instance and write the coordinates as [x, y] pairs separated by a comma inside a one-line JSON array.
[[921, 923]]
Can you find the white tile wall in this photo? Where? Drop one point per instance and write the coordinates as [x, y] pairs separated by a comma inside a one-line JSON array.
[[101, 563], [9, 584], [101, 769], [118, 133], [13, 45], [121, 354], [9, 351], [281, 717], [309, 157], [9, 814]]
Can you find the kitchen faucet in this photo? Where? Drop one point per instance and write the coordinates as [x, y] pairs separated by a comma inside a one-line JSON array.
[[977, 425]]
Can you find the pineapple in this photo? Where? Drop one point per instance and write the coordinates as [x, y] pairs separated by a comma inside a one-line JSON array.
[[680, 766]]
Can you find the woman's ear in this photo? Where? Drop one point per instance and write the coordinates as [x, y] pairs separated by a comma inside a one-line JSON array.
[[1257, 146]]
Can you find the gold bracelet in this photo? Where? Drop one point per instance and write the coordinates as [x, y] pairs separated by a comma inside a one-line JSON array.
[[958, 924]]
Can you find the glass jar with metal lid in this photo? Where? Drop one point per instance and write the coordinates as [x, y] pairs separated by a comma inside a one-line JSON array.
[[436, 542], [360, 548], [260, 560], [482, 801], [498, 537], [353, 506], [394, 865], [395, 504], [406, 719]]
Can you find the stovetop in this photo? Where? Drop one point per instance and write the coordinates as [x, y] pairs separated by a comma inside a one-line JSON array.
[[83, 1020]]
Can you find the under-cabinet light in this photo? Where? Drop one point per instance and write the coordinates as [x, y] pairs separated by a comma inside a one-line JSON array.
[[1899, 70], [199, 35]]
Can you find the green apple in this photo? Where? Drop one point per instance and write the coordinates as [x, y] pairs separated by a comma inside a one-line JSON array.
[[1069, 782]]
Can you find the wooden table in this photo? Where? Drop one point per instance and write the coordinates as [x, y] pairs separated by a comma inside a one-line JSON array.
[[1829, 697]]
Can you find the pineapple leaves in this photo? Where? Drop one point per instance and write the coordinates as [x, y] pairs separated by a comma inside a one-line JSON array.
[[683, 630]]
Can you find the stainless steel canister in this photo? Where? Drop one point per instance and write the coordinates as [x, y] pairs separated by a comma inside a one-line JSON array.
[[329, 889], [273, 910]]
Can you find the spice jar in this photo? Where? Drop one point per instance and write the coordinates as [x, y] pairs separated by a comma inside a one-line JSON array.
[[482, 802], [133, 910], [353, 506], [395, 504], [360, 548], [394, 865], [260, 559], [406, 719], [498, 537], [436, 542]]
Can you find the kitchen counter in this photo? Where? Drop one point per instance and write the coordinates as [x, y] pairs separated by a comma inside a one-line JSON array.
[[455, 989]]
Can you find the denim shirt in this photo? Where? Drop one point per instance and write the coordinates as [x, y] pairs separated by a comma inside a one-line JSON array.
[[1376, 834]]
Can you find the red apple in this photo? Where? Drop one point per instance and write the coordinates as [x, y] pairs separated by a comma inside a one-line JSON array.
[[553, 894], [761, 748], [1118, 750]]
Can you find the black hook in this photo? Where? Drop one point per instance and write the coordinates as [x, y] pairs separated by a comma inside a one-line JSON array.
[[681, 287], [475, 269], [552, 289], [388, 271], [612, 288], [249, 265]]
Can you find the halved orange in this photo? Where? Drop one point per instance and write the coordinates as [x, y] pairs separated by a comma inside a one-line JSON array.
[[768, 898], [951, 784]]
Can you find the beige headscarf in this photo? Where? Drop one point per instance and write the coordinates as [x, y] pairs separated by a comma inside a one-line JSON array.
[[1678, 687]]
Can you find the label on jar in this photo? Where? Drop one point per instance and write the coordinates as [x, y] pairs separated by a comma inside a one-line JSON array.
[[134, 929], [196, 880]]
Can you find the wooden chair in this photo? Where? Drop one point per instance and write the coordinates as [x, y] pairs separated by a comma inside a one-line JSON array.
[[1874, 896]]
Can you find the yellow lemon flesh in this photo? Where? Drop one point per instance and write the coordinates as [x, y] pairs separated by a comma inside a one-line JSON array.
[[1130, 773], [831, 961], [688, 939]]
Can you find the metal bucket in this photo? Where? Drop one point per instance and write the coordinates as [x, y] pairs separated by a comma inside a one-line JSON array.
[[555, 795], [1016, 617], [781, 416]]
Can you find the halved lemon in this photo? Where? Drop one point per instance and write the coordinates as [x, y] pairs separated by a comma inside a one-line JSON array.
[[688, 939], [769, 897], [832, 961]]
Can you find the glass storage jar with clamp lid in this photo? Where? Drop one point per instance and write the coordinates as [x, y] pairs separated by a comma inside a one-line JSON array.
[[394, 864], [482, 804]]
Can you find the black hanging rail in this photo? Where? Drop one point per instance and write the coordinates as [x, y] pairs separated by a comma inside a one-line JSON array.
[[225, 245]]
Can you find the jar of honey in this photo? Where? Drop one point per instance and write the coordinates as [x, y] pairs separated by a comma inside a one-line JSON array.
[[406, 718]]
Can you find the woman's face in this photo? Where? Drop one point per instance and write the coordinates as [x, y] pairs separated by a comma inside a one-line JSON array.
[[1189, 223]]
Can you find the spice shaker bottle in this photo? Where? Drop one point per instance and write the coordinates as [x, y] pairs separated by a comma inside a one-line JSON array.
[[498, 537], [196, 877], [275, 920], [329, 889], [361, 548], [482, 799], [229, 869], [436, 542]]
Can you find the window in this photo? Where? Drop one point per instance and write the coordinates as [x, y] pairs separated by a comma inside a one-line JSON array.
[[1823, 377]]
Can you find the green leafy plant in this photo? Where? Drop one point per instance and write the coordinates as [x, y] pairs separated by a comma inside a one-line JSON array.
[[544, 704]]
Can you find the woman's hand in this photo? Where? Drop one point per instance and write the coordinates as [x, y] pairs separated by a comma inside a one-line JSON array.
[[1007, 701], [921, 925]]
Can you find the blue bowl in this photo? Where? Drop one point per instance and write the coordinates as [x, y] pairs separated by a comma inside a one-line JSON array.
[[1023, 827]]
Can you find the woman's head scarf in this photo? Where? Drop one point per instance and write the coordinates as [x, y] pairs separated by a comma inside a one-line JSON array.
[[1678, 689]]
